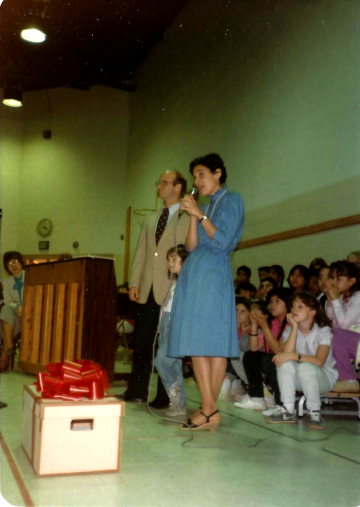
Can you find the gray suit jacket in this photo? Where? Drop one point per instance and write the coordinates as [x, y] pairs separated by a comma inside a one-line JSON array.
[[149, 267]]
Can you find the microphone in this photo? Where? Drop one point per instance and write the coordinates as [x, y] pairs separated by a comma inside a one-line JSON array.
[[194, 192]]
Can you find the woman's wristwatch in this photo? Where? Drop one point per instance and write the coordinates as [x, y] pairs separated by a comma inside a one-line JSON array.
[[204, 217]]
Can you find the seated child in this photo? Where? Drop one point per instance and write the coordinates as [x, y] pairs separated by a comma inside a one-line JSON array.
[[11, 312], [258, 360], [298, 278], [263, 272], [313, 284], [243, 274], [246, 290], [266, 285], [324, 284], [170, 368], [231, 388], [305, 363], [278, 274], [343, 308]]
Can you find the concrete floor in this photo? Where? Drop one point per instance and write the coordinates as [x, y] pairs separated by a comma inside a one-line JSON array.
[[246, 463]]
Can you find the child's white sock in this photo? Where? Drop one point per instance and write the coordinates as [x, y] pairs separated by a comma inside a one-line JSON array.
[[290, 407]]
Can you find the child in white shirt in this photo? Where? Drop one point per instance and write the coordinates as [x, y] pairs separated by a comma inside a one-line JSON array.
[[306, 363], [170, 368]]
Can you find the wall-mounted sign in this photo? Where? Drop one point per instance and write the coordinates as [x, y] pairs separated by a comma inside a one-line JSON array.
[[44, 245]]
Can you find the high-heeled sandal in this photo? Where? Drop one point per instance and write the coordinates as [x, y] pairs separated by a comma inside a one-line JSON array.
[[207, 426]]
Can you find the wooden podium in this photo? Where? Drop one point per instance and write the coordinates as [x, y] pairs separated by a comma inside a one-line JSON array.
[[69, 312]]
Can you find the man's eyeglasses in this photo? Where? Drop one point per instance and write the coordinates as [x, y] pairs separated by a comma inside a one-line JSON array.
[[163, 183]]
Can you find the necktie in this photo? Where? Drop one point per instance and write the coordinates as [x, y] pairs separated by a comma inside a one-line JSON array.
[[161, 224]]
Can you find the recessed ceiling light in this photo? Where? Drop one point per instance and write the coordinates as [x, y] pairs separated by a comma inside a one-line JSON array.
[[33, 35], [12, 102], [12, 95]]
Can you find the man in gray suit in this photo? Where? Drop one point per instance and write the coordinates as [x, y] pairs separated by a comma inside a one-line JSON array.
[[149, 281]]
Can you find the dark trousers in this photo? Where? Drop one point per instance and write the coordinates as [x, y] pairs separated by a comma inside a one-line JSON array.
[[259, 364], [145, 330]]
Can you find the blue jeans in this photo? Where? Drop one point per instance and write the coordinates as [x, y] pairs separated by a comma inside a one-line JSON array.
[[169, 368]]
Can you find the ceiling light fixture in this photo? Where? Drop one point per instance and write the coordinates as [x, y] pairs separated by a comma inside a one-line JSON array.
[[33, 35], [12, 96]]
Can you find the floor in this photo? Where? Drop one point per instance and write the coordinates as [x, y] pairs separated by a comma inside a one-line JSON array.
[[246, 463]]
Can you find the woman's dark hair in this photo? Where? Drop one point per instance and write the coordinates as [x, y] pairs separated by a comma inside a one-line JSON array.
[[263, 268], [280, 272], [12, 256], [312, 302], [304, 271], [212, 161], [243, 301], [283, 293], [317, 264], [180, 251], [349, 269]]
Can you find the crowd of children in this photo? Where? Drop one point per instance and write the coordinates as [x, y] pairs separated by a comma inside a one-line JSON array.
[[300, 334], [306, 340]]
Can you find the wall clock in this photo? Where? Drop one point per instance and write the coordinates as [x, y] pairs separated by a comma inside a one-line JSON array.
[[45, 227]]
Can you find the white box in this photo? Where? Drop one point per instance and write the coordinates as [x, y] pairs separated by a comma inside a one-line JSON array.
[[71, 437]]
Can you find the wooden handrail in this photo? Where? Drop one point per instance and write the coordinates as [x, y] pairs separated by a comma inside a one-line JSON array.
[[301, 231]]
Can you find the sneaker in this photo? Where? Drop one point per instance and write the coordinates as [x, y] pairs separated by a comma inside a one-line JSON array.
[[175, 411], [346, 386], [272, 410], [282, 416], [269, 398], [316, 421], [251, 403], [175, 395], [240, 397], [236, 388], [224, 394]]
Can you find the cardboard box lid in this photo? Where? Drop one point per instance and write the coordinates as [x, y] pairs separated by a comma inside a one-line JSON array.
[[58, 409]]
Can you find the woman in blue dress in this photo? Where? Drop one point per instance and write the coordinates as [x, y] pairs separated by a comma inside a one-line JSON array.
[[203, 320]]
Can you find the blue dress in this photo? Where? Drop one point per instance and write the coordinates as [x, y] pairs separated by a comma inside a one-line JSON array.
[[203, 316]]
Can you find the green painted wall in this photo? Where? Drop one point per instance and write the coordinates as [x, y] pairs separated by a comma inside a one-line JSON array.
[[77, 179], [271, 86], [11, 152], [274, 88]]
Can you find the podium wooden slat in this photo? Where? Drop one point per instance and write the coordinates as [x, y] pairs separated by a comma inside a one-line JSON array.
[[80, 320], [69, 313], [36, 325], [70, 331], [26, 322], [58, 322], [46, 328]]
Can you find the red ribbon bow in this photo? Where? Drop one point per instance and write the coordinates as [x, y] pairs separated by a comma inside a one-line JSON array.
[[73, 381]]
